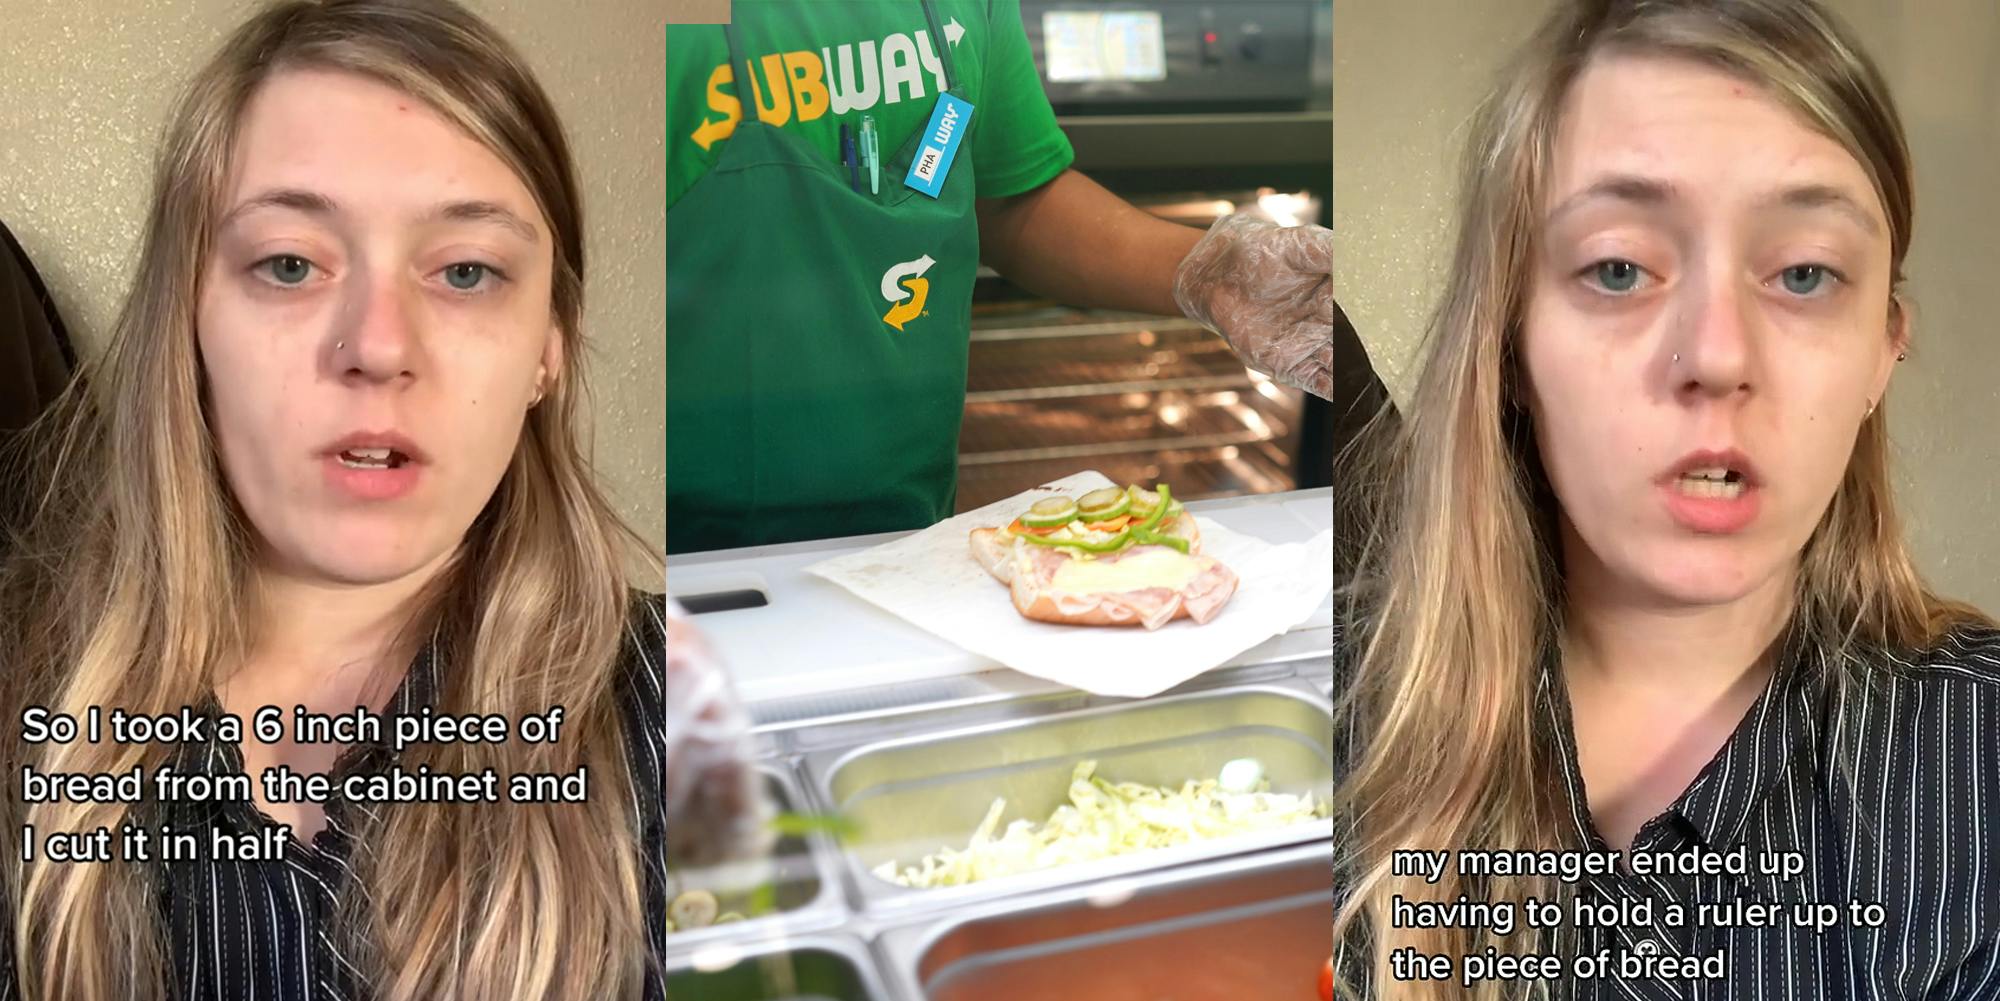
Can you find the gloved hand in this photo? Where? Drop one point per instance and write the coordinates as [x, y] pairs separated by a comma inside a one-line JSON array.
[[1268, 290], [716, 807]]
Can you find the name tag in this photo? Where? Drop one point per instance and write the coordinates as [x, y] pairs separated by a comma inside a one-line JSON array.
[[939, 146]]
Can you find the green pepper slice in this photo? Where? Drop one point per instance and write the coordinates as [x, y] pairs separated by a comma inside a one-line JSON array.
[[1173, 542], [1113, 544], [1159, 510]]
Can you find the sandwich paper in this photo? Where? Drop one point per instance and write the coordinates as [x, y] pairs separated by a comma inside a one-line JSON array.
[[931, 580]]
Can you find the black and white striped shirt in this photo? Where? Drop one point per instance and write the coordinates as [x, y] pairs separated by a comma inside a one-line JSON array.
[[260, 931], [1890, 791]]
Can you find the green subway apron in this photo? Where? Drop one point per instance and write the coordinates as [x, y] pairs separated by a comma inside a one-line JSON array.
[[816, 338]]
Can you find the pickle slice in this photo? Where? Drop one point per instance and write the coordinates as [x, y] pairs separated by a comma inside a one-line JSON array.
[[1104, 505], [693, 909], [1050, 512], [1143, 500]]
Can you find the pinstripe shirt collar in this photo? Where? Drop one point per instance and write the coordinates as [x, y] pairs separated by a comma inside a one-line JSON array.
[[417, 692], [1716, 807]]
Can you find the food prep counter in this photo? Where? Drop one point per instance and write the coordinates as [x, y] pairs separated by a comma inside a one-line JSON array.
[[911, 742], [802, 647]]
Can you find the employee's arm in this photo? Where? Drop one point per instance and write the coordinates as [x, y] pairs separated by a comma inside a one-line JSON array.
[[1267, 290], [1076, 243]]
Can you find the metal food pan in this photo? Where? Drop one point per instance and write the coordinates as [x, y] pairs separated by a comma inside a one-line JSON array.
[[810, 968], [913, 795], [1247, 927], [806, 888]]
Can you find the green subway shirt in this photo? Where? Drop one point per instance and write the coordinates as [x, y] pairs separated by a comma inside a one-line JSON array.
[[819, 64]]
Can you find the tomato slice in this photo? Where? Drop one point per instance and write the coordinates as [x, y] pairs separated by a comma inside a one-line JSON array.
[[1019, 529], [1326, 980]]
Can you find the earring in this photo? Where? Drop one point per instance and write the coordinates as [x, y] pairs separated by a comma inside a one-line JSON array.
[[1900, 355], [338, 345], [1871, 410], [538, 397], [1677, 358]]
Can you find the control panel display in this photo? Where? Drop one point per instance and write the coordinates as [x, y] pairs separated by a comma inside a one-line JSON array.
[[1091, 46]]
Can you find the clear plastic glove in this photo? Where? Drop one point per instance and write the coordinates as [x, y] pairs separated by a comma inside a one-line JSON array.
[[1268, 290], [716, 807]]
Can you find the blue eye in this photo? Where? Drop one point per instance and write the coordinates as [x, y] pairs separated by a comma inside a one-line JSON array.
[[287, 269], [465, 275], [1803, 279], [1616, 276]]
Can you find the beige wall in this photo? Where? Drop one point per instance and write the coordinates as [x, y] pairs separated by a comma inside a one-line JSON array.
[[86, 87], [697, 11], [1407, 74]]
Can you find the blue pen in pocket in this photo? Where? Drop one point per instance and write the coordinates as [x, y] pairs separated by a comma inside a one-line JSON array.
[[847, 158]]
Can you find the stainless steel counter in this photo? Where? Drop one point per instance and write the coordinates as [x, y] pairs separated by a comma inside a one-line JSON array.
[[911, 740], [918, 778]]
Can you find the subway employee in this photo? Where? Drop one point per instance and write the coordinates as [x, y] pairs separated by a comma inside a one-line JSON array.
[[824, 225]]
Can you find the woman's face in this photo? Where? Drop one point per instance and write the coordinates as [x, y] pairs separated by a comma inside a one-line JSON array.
[[1708, 322], [374, 322]]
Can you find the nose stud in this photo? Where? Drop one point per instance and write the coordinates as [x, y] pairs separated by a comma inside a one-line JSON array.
[[1677, 359], [337, 345]]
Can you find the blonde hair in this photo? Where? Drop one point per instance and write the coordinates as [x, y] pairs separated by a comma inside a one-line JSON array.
[[124, 589], [1458, 596]]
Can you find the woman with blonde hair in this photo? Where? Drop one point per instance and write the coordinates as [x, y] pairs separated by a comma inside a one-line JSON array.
[[330, 458], [1636, 583]]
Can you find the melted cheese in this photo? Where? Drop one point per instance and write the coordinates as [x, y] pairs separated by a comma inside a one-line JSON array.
[[1134, 571]]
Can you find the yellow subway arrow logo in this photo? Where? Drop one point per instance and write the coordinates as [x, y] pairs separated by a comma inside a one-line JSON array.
[[710, 132], [907, 274], [904, 312]]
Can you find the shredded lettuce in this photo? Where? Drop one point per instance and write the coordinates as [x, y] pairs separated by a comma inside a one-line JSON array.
[[1101, 820]]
